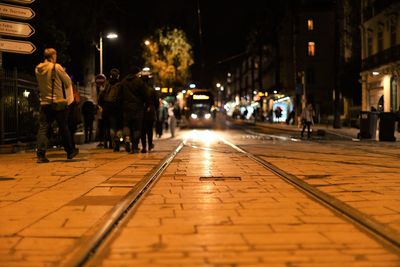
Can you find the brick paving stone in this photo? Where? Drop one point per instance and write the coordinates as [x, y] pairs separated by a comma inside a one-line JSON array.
[[46, 208], [259, 221]]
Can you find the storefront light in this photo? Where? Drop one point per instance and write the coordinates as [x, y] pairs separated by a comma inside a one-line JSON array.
[[375, 73]]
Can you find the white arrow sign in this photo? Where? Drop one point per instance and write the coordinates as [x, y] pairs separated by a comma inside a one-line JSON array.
[[21, 1], [17, 29], [16, 12], [14, 46]]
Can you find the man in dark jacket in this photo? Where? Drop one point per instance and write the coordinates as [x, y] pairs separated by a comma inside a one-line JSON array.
[[134, 98]]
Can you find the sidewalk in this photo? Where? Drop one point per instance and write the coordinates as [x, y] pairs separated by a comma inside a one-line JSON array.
[[46, 209], [344, 132]]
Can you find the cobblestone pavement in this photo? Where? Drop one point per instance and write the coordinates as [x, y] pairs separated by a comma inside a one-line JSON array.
[[47, 208], [364, 175], [250, 218]]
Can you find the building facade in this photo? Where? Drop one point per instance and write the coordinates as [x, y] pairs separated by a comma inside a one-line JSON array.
[[380, 31]]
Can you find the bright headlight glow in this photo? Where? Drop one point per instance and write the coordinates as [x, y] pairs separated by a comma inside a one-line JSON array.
[[194, 116], [207, 116]]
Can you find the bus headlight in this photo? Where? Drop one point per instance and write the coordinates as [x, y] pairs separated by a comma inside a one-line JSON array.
[[207, 116], [193, 116]]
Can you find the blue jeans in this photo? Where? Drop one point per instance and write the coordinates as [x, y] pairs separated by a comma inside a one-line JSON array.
[[46, 118]]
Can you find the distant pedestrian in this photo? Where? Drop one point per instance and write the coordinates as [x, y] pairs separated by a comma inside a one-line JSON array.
[[307, 119], [150, 115], [161, 118], [53, 80], [111, 110], [171, 118], [88, 112], [133, 96]]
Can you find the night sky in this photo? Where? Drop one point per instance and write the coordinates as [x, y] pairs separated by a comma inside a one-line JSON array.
[[225, 24]]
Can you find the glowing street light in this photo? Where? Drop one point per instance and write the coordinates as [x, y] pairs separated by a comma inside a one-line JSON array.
[[110, 35], [147, 42], [218, 85]]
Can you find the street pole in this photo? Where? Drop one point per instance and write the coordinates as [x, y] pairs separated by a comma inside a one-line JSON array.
[[101, 54]]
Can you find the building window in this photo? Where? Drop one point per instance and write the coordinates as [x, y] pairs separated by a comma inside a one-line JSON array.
[[380, 40], [311, 49], [310, 24]]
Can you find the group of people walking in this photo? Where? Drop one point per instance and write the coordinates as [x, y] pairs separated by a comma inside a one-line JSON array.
[[129, 109]]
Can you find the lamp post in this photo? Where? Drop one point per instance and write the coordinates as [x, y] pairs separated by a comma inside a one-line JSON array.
[[110, 35]]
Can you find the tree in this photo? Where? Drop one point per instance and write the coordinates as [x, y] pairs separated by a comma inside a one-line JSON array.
[[169, 55]]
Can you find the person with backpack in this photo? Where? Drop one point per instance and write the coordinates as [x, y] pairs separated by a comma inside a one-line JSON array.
[[133, 95], [53, 81]]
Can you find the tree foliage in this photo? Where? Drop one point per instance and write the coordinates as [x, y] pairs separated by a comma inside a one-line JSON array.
[[169, 55]]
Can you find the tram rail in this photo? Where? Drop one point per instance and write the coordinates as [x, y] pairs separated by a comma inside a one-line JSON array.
[[100, 237], [96, 236]]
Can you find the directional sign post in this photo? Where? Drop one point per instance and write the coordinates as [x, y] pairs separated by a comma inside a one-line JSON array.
[[16, 12], [16, 29], [14, 46], [21, 1]]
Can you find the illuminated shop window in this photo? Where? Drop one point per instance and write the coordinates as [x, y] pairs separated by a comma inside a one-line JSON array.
[[310, 24], [311, 49]]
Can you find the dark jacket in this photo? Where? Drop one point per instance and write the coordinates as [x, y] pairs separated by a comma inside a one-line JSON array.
[[88, 110], [133, 95], [151, 112]]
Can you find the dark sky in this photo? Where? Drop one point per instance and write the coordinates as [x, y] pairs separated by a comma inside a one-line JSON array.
[[225, 26]]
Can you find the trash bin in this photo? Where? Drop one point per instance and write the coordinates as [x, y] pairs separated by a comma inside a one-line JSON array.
[[387, 126], [368, 123]]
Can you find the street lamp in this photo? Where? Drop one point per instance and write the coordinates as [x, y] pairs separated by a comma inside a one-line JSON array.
[[110, 35]]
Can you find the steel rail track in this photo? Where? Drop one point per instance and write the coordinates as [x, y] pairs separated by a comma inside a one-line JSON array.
[[93, 239], [386, 236]]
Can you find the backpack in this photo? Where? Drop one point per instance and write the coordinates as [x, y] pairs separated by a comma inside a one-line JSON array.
[[110, 95]]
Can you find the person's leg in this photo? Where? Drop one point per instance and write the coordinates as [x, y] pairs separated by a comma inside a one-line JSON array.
[[304, 128], [150, 134], [45, 120], [172, 126], [90, 130], [143, 137], [61, 117], [308, 129], [126, 132]]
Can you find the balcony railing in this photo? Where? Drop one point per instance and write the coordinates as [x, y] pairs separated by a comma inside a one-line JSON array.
[[385, 57]]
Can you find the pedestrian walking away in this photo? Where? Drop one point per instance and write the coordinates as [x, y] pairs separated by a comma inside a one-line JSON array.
[[307, 119], [132, 93], [112, 113], [53, 81], [150, 114]]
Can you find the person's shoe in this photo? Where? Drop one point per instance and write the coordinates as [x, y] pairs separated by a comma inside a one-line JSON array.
[[135, 150], [73, 153], [151, 147], [127, 147], [42, 159], [144, 150]]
